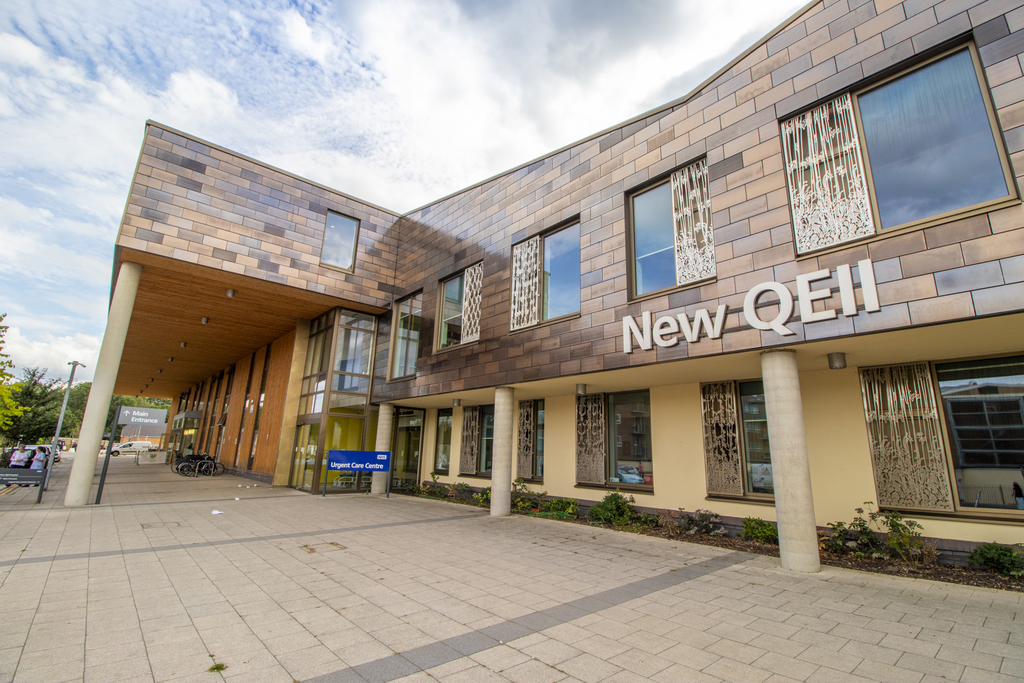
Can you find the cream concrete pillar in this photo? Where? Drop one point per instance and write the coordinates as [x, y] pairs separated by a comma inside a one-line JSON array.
[[102, 389], [385, 420], [501, 464], [794, 502]]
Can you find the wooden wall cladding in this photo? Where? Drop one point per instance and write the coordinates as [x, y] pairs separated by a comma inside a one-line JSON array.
[[245, 443], [273, 404], [227, 454]]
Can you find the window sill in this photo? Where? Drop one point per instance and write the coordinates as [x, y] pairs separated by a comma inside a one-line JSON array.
[[750, 500], [455, 347], [546, 323], [479, 475], [403, 378], [440, 473], [630, 488], [1012, 517], [339, 269]]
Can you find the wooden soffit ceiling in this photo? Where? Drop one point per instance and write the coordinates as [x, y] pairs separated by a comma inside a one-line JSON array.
[[173, 298]]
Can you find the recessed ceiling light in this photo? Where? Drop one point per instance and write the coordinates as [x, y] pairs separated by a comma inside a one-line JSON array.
[[231, 293], [205, 320], [171, 359]]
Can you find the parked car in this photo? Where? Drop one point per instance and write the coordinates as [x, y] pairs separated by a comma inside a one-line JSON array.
[[133, 447]]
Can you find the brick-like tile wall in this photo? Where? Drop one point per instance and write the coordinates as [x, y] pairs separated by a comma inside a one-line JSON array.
[[968, 267], [196, 202]]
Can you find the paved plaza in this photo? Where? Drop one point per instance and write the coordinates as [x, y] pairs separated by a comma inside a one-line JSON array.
[[284, 586]]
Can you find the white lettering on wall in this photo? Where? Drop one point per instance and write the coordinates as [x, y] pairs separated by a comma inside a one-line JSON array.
[[663, 331]]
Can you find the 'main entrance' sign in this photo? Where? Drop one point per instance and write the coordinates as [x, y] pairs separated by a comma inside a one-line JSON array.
[[665, 330]]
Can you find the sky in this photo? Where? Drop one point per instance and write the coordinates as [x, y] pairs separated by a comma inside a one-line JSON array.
[[396, 102]]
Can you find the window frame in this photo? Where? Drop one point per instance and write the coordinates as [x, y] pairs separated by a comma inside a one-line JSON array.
[[959, 510], [439, 323], [611, 444], [630, 195], [395, 340], [741, 435], [538, 304], [355, 243], [1011, 199], [450, 413], [745, 495]]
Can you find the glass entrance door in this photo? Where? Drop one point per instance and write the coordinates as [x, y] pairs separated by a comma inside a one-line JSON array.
[[304, 459], [406, 456]]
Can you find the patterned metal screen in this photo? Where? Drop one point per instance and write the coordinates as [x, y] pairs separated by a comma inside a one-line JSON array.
[[525, 283], [471, 303], [469, 453], [591, 448], [905, 440], [827, 189], [722, 462], [526, 438], [694, 234]]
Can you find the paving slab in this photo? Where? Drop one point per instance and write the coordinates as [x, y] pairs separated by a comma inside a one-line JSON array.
[[151, 586]]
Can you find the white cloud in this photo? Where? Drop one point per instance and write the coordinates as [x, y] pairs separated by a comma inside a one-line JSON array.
[[53, 353]]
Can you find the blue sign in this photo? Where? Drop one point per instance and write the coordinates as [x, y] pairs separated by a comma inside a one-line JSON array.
[[359, 461]]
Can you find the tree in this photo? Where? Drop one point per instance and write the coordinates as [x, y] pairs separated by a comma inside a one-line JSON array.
[[80, 396], [9, 407], [40, 399]]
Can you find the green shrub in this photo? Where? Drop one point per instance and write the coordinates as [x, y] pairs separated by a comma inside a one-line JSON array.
[[1001, 558], [700, 522], [903, 540], [756, 529], [456, 490], [525, 500], [857, 537], [483, 499], [615, 509], [903, 536], [563, 506]]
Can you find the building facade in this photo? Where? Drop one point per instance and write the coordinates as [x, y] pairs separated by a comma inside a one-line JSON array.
[[796, 289]]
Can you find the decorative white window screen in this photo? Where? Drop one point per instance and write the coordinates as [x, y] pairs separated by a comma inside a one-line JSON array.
[[526, 441], [905, 440], [694, 234], [525, 282], [591, 448], [828, 192], [471, 303], [722, 464], [470, 447]]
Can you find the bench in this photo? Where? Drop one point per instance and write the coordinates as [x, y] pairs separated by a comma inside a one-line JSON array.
[[17, 475]]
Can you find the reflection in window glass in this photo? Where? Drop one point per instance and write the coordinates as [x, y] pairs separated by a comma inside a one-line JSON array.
[[629, 417], [930, 143], [653, 241], [983, 402], [443, 451], [343, 434], [353, 352], [486, 438], [538, 456], [451, 311], [407, 336], [340, 241], [756, 448], [561, 276], [351, 383]]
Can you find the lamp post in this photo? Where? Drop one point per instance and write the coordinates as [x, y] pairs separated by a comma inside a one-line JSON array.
[[60, 421]]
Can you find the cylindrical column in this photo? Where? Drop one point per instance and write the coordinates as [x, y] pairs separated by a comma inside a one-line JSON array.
[[385, 420], [102, 389], [794, 502], [501, 465]]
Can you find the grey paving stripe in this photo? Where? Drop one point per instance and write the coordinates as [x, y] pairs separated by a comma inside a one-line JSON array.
[[229, 541], [451, 649]]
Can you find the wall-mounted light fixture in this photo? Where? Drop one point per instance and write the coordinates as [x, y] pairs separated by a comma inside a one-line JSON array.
[[456, 402], [230, 293], [581, 389], [837, 360], [205, 320]]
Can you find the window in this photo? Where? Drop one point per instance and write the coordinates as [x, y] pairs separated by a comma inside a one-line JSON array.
[[983, 403], [460, 308], [546, 277], [629, 453], [340, 239], [486, 440], [928, 149], [737, 450], [406, 347], [673, 241], [443, 441]]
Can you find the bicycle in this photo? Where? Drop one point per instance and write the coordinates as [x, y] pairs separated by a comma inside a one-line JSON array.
[[193, 466]]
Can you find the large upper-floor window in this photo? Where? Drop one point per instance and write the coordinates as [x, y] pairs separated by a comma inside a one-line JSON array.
[[673, 241], [917, 147], [406, 345], [546, 277], [459, 308], [340, 238]]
